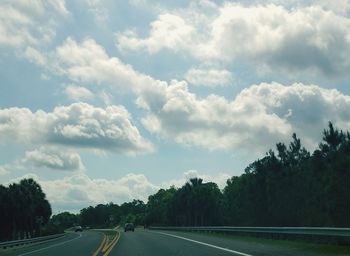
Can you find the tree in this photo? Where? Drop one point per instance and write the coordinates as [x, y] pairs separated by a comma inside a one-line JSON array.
[[23, 205]]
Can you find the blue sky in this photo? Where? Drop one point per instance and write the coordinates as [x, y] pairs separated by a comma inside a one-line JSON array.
[[111, 100]]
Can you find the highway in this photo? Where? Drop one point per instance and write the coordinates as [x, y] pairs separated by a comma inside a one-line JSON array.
[[189, 244], [82, 243], [161, 243]]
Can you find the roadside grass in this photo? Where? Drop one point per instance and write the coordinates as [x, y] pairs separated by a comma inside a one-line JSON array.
[[111, 237], [19, 249], [109, 233], [306, 246]]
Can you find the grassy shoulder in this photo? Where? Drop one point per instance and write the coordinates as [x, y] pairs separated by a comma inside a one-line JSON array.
[[312, 247], [109, 233]]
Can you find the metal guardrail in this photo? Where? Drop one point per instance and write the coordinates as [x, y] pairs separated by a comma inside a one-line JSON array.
[[303, 231], [6, 244]]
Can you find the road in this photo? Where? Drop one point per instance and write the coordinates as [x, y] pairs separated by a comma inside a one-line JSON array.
[[82, 243], [156, 243]]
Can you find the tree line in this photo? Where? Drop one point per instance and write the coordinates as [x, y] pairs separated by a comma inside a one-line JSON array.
[[24, 210], [288, 187]]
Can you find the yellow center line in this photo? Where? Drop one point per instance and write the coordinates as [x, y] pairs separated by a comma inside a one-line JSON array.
[[100, 247], [105, 248], [107, 244], [113, 243]]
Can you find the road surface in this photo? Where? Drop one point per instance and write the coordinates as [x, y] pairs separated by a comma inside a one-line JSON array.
[[81, 243], [160, 243]]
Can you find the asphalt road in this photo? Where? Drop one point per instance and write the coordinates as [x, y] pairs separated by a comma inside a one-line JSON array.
[[160, 243], [73, 244], [156, 243]]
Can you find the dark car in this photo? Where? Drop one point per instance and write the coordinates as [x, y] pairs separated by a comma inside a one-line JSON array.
[[78, 229], [129, 227]]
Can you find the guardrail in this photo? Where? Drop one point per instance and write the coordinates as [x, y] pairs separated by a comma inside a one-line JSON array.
[[6, 244], [320, 234]]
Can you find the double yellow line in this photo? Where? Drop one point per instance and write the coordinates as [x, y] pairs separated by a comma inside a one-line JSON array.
[[107, 245]]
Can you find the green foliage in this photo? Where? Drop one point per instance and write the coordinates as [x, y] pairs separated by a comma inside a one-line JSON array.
[[294, 188], [23, 210], [100, 216], [288, 187], [59, 222], [196, 203]]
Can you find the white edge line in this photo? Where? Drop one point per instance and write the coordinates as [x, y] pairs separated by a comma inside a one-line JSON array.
[[54, 245], [202, 243]]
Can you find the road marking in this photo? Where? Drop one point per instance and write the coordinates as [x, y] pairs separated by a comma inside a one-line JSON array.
[[101, 245], [51, 246], [202, 243], [112, 244], [108, 243]]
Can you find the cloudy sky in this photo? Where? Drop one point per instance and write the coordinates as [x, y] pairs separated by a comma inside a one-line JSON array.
[[110, 100]]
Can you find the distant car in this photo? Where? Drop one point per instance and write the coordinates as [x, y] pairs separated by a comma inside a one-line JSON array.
[[78, 229], [129, 227]]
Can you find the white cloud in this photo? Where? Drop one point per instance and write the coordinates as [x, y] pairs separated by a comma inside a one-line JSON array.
[[171, 30], [78, 190], [255, 120], [249, 122], [3, 170], [99, 11], [77, 125], [106, 97], [35, 56], [59, 6], [88, 62], [220, 179], [21, 22], [303, 39], [209, 77], [53, 158], [78, 93]]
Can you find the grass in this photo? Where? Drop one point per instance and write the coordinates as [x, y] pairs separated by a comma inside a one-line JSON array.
[[320, 249], [110, 233]]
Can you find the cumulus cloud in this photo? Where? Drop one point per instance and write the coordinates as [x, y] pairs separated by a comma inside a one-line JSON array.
[[171, 30], [78, 93], [78, 190], [21, 21], [208, 77], [77, 125], [252, 121], [255, 120], [270, 36], [88, 62], [35, 56], [220, 179], [53, 158]]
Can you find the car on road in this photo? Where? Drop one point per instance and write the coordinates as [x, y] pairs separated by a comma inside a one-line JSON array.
[[78, 229], [129, 227]]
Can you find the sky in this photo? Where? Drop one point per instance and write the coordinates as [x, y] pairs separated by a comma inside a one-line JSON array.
[[109, 101]]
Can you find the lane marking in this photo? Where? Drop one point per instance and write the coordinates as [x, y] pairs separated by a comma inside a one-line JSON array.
[[202, 243], [113, 243], [51, 246], [101, 245], [108, 243]]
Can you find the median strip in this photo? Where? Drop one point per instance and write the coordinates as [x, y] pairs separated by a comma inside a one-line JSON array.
[[202, 243], [101, 245], [111, 237], [112, 244]]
